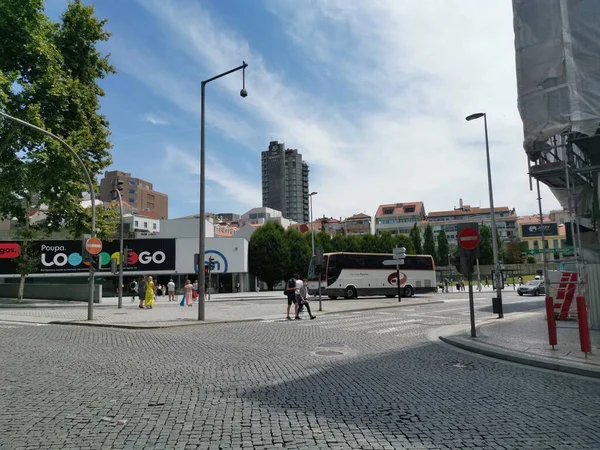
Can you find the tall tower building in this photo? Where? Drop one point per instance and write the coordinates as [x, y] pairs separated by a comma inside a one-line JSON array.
[[285, 182]]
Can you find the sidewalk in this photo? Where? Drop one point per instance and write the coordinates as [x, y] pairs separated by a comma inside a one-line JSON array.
[[165, 314], [523, 338]]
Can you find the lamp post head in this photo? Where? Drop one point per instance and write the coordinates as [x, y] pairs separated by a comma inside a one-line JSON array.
[[474, 116], [312, 193], [244, 92]]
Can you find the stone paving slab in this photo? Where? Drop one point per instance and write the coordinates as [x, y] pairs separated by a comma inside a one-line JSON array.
[[170, 314], [523, 338]]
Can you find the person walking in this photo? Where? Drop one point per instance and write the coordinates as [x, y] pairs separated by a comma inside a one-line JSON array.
[[290, 292], [142, 291], [171, 290], [150, 293], [133, 289], [304, 298], [188, 292]]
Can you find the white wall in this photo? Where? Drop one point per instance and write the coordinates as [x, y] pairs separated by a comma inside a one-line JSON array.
[[230, 254], [184, 228]]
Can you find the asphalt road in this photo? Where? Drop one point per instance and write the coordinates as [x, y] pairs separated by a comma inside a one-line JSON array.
[[367, 380]]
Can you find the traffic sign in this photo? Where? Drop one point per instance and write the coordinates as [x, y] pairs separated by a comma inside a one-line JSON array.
[[93, 245], [393, 262], [468, 238]]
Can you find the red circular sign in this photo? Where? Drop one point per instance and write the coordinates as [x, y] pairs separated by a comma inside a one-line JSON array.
[[93, 245], [468, 238]]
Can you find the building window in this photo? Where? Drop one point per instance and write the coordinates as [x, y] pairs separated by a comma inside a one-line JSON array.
[[137, 224], [145, 224], [409, 209], [154, 226], [536, 245], [388, 211], [131, 182], [131, 200], [555, 243], [132, 191]]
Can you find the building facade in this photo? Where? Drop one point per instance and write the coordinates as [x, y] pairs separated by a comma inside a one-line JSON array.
[[358, 225], [506, 221], [137, 192], [285, 182], [554, 242], [399, 218]]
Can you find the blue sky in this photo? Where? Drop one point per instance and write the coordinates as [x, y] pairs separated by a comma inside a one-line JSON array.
[[373, 94]]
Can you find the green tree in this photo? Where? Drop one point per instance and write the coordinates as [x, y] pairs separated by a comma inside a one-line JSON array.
[[339, 243], [268, 256], [402, 240], [369, 244], [323, 240], [299, 254], [386, 242], [429, 242], [513, 252], [49, 74], [415, 236], [353, 244], [443, 250], [107, 222], [531, 260], [486, 253]]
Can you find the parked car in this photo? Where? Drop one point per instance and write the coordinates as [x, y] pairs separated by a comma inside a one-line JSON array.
[[532, 287]]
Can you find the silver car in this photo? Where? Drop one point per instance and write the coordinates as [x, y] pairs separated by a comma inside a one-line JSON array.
[[532, 287]]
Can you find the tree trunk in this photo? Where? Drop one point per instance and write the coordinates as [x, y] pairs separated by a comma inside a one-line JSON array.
[[21, 288]]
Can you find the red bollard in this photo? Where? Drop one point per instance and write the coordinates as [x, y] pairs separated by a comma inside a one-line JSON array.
[[584, 330], [551, 320]]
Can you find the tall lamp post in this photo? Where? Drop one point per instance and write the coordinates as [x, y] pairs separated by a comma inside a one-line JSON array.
[[90, 309], [497, 274], [312, 225], [202, 236], [118, 187]]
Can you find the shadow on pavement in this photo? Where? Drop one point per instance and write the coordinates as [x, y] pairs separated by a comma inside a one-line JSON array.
[[525, 306], [427, 394]]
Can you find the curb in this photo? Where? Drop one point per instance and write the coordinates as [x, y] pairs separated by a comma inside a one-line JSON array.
[[508, 355]]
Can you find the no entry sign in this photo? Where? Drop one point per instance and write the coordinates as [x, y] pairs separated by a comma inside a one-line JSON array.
[[468, 238], [93, 245]]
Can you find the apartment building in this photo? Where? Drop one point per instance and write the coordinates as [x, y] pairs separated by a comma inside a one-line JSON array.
[[285, 182], [139, 193], [506, 221], [358, 225], [555, 238], [399, 218]]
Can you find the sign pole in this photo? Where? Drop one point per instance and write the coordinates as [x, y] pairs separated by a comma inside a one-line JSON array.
[[320, 305], [471, 301], [398, 282]]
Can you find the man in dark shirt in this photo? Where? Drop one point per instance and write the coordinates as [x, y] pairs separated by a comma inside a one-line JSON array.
[[290, 291], [142, 290]]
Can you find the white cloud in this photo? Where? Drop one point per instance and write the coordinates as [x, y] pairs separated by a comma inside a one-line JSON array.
[[181, 163], [154, 120], [413, 70]]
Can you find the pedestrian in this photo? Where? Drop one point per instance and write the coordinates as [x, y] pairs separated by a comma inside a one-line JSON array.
[[150, 293], [290, 292], [299, 304], [188, 292], [237, 287], [142, 291], [486, 282], [304, 298], [133, 289], [171, 290]]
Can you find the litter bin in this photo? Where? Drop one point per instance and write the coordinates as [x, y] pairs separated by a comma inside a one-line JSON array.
[[496, 305]]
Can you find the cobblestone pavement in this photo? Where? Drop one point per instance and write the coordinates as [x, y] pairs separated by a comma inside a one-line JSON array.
[[368, 380]]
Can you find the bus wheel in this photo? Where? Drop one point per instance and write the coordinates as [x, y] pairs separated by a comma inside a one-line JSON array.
[[408, 291], [350, 292], [390, 295], [333, 297]]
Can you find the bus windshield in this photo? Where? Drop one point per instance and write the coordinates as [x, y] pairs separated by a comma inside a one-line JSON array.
[[312, 274]]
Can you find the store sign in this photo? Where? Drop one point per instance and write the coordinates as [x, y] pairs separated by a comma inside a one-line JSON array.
[[535, 230], [144, 255]]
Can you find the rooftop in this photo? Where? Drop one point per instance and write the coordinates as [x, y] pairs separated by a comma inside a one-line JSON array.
[[398, 209], [467, 210]]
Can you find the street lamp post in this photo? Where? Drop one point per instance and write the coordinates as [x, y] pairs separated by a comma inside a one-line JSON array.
[[497, 274], [312, 225], [118, 188], [90, 309], [202, 230]]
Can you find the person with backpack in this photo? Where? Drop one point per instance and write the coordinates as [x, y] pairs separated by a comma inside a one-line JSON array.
[[290, 292]]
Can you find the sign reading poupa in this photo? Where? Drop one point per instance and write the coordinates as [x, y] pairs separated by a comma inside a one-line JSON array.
[[147, 255]]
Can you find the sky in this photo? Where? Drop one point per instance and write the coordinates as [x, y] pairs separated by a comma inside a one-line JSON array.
[[373, 94]]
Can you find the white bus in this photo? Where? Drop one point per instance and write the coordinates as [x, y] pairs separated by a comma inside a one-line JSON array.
[[360, 274]]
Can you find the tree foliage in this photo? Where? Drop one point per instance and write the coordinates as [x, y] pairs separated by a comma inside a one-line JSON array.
[[429, 242], [443, 249], [299, 253], [49, 74], [415, 237], [513, 252], [268, 255]]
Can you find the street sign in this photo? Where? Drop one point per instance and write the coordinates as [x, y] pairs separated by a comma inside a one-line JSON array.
[[468, 238], [393, 262], [537, 251], [399, 253], [93, 245]]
